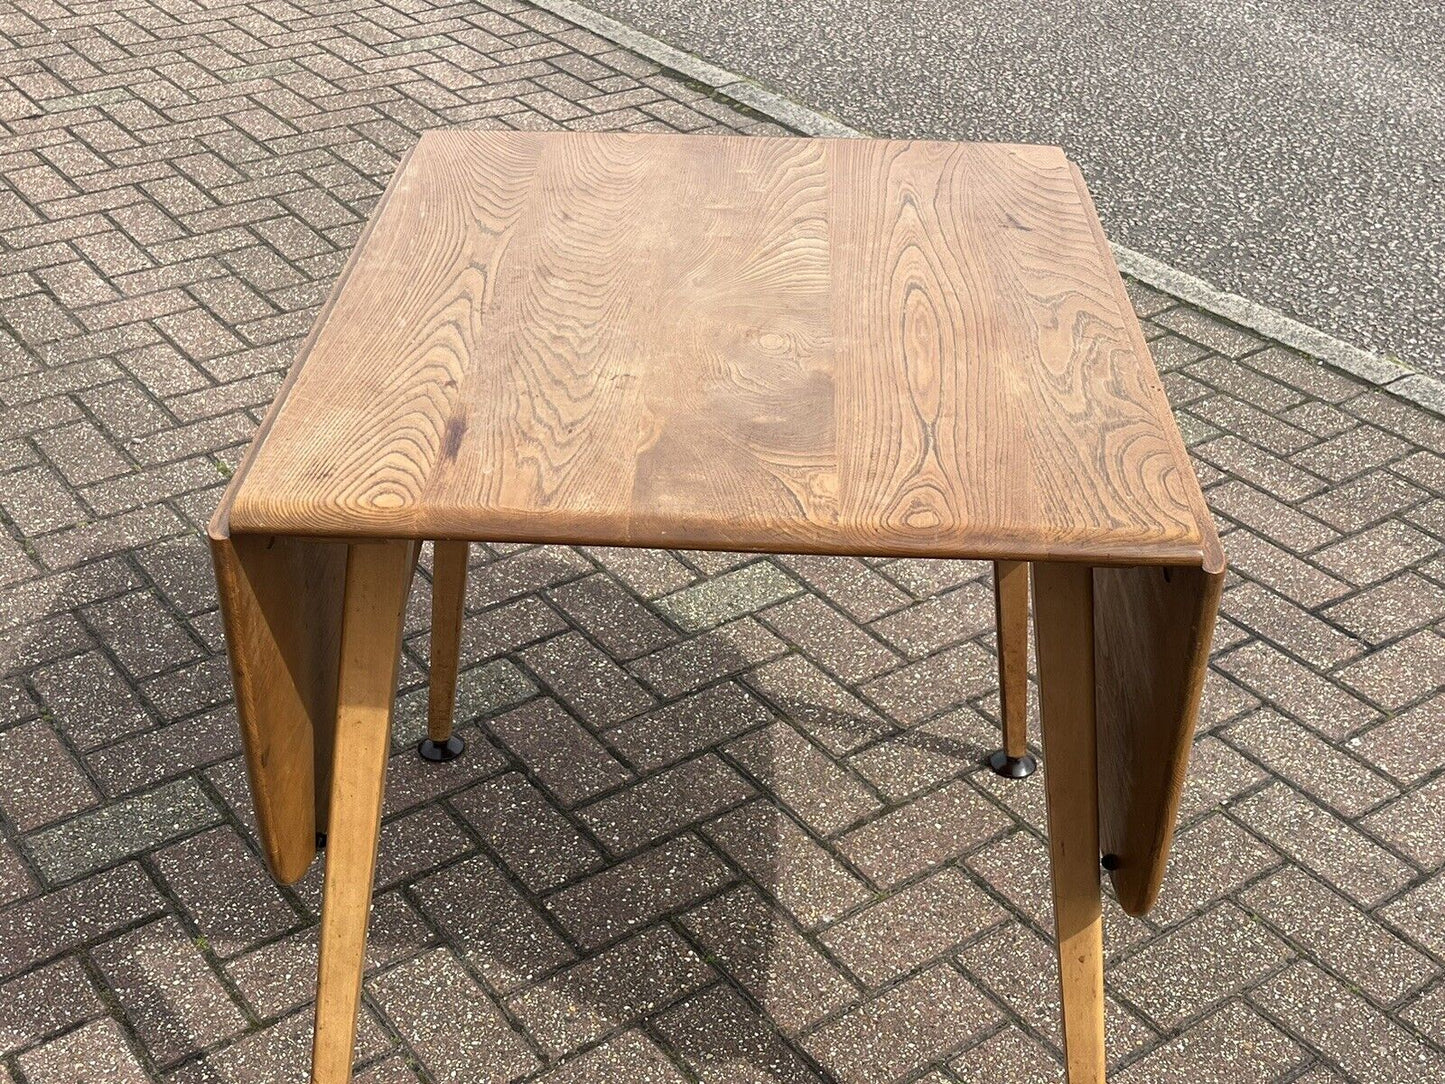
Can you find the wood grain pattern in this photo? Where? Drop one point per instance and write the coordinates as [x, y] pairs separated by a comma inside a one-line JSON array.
[[1064, 632], [378, 576], [1153, 628], [785, 345], [281, 607], [808, 346], [448, 599], [281, 603], [1011, 612], [837, 346]]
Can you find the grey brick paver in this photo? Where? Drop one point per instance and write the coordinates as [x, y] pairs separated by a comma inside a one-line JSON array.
[[1212, 857], [1420, 912], [757, 945], [1403, 604], [1297, 754], [924, 688], [1427, 1013], [1260, 468], [1351, 453], [616, 987], [417, 842], [169, 994], [1012, 963], [725, 1040], [633, 894], [727, 596], [911, 927], [783, 753], [604, 609], [44, 1002], [1378, 553], [837, 643], [93, 1053], [648, 572], [537, 843], [787, 862], [1209, 331], [1288, 684], [631, 1056], [851, 584], [569, 760], [277, 1053], [1229, 414], [225, 890], [43, 780], [1350, 942], [1401, 673], [819, 791], [719, 652], [1364, 501], [1009, 1056], [931, 830], [818, 705], [1415, 824], [1369, 1046], [939, 621], [587, 680], [1233, 1044], [507, 627], [1408, 745], [90, 700], [928, 754], [1272, 518], [914, 1023], [1192, 968], [41, 928], [689, 725], [442, 1011], [104, 835], [1316, 642], [1325, 843], [276, 978], [676, 798], [926, 577]]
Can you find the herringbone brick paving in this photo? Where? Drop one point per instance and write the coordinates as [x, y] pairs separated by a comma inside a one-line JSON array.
[[721, 818]]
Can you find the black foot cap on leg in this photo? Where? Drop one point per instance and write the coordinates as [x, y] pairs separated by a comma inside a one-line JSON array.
[[452, 748], [1012, 767]]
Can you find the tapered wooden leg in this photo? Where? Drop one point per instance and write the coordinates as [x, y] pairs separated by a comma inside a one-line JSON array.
[[449, 588], [1011, 605], [377, 578], [1064, 615]]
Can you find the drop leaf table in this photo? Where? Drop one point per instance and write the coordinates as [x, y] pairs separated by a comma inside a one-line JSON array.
[[842, 347]]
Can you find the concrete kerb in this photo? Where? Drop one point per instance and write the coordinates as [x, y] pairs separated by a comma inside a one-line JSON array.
[[1398, 379]]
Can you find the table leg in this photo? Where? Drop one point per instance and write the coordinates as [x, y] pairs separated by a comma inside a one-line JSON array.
[[1064, 612], [1011, 605], [377, 578], [448, 594]]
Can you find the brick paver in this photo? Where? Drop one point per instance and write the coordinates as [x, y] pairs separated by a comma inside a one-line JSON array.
[[722, 818]]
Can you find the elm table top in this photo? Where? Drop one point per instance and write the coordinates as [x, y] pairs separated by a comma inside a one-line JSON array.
[[800, 345], [795, 345]]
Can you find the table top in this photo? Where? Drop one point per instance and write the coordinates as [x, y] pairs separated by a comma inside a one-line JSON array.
[[774, 344]]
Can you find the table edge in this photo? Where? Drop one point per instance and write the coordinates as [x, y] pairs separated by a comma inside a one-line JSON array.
[[1207, 553], [218, 527], [1212, 553]]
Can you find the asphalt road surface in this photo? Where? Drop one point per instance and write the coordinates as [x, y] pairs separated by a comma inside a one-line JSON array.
[[1291, 151]]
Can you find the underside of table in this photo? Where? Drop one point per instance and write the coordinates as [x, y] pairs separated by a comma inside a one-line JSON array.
[[283, 599]]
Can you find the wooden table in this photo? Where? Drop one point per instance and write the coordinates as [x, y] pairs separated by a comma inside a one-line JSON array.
[[775, 345]]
